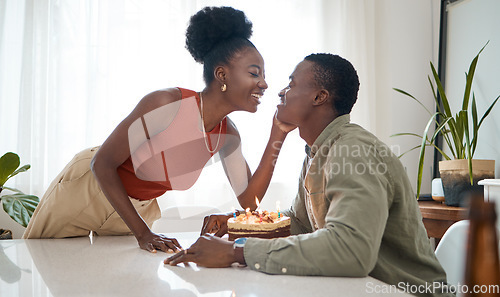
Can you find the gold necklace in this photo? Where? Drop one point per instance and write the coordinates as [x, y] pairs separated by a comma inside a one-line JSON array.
[[205, 133]]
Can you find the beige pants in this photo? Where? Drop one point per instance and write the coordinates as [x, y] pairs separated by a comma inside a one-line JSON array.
[[74, 205]]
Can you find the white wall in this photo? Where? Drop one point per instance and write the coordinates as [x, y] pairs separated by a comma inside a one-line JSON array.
[[407, 35], [471, 23]]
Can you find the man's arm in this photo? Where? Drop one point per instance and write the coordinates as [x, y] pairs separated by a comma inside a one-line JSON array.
[[348, 245]]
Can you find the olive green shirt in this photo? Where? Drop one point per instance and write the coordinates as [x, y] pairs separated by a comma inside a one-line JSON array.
[[355, 214]]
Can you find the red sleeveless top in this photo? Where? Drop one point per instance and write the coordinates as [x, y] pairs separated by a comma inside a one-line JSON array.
[[173, 158]]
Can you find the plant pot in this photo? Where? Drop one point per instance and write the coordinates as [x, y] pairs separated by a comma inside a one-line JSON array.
[[5, 234], [456, 179]]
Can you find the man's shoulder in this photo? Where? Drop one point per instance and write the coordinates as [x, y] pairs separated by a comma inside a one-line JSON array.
[[353, 134], [355, 138]]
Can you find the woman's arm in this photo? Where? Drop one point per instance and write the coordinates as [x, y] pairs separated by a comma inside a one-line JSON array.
[[236, 167], [114, 151], [246, 186]]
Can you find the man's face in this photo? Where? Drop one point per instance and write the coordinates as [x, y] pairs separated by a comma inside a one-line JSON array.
[[296, 99]]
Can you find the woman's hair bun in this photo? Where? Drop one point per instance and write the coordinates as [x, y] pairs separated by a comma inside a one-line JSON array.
[[211, 25]]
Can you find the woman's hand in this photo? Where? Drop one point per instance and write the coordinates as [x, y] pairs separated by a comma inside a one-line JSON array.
[[216, 223], [207, 251], [284, 127], [153, 242]]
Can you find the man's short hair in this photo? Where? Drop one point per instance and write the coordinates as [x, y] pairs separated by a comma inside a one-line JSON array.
[[338, 77]]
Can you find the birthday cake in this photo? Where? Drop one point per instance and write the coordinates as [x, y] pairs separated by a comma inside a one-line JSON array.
[[263, 225]]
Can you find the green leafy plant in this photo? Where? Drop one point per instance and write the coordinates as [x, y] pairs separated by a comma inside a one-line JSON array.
[[18, 206], [459, 131]]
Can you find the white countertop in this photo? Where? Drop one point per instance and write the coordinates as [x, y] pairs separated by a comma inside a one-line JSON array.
[[116, 266]]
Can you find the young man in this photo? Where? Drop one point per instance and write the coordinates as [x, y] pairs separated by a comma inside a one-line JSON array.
[[355, 213]]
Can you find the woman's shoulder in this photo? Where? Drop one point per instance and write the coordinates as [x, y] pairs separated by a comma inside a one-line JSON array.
[[231, 127], [162, 97]]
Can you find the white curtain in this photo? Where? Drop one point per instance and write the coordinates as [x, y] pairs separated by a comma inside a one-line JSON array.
[[70, 71]]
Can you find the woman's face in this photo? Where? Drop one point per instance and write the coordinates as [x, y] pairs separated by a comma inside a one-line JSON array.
[[245, 80], [296, 98]]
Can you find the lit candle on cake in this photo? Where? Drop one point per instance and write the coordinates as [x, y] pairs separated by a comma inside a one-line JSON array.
[[258, 208], [278, 208], [248, 212]]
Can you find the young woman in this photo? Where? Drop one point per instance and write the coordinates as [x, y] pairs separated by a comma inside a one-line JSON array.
[[164, 143]]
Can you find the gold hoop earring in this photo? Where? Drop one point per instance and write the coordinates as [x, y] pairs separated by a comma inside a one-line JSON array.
[[223, 88]]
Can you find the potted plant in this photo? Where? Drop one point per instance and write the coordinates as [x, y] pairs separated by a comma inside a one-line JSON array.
[[459, 171], [16, 204]]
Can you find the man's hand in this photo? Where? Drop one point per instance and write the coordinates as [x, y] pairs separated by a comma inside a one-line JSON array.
[[208, 251], [152, 242], [215, 223]]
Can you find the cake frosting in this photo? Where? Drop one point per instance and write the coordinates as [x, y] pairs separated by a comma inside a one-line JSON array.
[[263, 225]]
